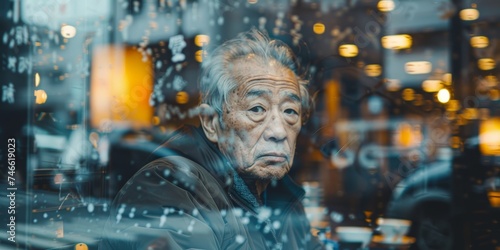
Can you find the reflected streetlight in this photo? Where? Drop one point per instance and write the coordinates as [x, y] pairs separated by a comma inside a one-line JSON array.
[[431, 85], [479, 42], [373, 70], [385, 5], [68, 31], [37, 79], [486, 63], [319, 28], [443, 95], [41, 96], [408, 94], [402, 41], [469, 14], [201, 40], [418, 67], [348, 50]]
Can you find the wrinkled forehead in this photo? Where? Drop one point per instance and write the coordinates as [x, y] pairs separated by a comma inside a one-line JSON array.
[[252, 67]]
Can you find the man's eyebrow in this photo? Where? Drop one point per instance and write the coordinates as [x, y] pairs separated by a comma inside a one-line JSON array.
[[293, 96], [257, 93]]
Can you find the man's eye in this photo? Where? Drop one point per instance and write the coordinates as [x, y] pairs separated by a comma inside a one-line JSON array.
[[257, 109], [291, 112]]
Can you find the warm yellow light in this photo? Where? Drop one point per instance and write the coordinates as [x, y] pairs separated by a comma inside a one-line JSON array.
[[201, 40], [479, 41], [402, 41], [494, 94], [252, 1], [407, 135], [431, 85], [447, 79], [491, 80], [484, 113], [470, 113], [494, 198], [156, 120], [392, 84], [68, 31], [489, 136], [418, 67], [443, 95], [453, 105], [386, 5], [486, 63], [37, 79], [199, 55], [373, 70], [120, 87], [41, 96], [469, 14], [182, 97], [319, 28], [348, 50], [408, 94]]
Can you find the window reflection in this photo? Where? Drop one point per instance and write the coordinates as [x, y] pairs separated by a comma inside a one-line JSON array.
[[404, 126]]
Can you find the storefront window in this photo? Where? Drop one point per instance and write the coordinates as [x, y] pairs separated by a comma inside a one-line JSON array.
[[401, 148]]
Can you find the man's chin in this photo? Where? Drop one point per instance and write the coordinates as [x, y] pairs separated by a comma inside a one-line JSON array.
[[272, 175], [263, 175]]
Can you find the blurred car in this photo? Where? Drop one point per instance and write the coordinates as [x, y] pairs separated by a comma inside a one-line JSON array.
[[425, 198], [447, 202]]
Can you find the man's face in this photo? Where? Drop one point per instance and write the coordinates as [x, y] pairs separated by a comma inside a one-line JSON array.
[[262, 119]]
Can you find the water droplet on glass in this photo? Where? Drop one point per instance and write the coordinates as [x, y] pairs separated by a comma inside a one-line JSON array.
[[220, 21], [245, 220], [336, 217], [90, 207], [163, 219], [45, 215], [118, 218], [240, 239]]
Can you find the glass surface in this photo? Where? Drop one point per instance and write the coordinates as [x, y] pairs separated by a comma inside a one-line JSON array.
[[405, 122]]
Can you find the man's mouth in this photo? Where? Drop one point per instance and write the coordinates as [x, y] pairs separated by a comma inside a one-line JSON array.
[[273, 157]]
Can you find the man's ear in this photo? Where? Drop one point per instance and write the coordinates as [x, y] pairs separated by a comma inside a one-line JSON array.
[[209, 122]]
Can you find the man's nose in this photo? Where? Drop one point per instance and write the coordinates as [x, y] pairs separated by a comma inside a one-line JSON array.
[[275, 129]]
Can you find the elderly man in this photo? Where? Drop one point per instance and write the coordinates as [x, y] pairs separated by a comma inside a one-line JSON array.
[[225, 185]]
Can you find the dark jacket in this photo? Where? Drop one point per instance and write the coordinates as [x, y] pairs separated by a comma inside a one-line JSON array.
[[193, 199]]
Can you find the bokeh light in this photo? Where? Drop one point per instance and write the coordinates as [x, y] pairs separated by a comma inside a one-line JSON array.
[[319, 28], [348, 50], [443, 95], [68, 31]]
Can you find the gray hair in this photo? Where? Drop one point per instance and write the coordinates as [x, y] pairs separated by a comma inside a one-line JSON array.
[[217, 81]]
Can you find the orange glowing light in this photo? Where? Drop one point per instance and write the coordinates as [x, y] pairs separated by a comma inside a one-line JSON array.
[[201, 40], [121, 84], [40, 96], [319, 28], [489, 137], [348, 50], [403, 41]]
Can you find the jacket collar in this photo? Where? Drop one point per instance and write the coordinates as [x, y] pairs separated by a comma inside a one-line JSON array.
[[192, 143]]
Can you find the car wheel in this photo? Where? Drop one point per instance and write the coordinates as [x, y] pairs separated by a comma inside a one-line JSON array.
[[434, 230]]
